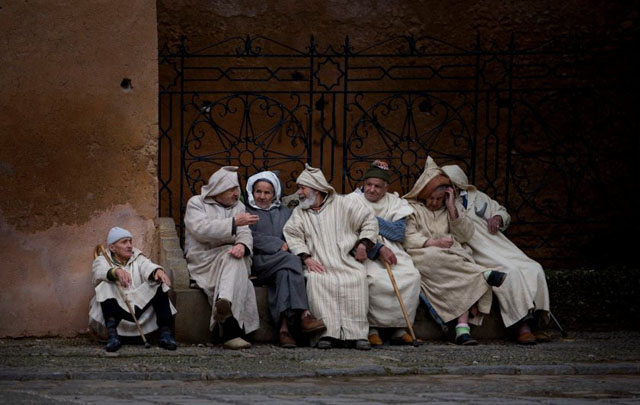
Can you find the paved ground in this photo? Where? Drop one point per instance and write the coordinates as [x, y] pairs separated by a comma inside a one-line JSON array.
[[583, 368]]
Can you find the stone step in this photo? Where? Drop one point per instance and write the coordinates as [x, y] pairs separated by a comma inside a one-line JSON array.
[[194, 313]]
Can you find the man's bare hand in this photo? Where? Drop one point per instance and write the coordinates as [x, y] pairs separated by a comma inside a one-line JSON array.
[[284, 247], [313, 265], [494, 223], [450, 197], [162, 277], [237, 251], [246, 219], [361, 252], [123, 277], [388, 256], [444, 242]]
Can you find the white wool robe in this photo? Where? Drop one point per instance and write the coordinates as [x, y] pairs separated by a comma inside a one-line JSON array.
[[497, 251], [209, 237], [339, 295], [384, 308], [451, 279], [139, 293]]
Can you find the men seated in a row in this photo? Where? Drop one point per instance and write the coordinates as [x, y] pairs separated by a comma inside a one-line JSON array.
[[125, 280]]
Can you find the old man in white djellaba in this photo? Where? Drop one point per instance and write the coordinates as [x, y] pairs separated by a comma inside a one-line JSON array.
[[218, 246], [390, 211], [332, 235], [125, 279], [491, 248]]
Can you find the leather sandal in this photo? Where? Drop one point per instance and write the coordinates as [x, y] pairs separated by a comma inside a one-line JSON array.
[[287, 341], [465, 340], [375, 341], [496, 278], [236, 344]]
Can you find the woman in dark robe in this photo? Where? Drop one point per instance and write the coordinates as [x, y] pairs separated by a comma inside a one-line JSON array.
[[273, 264]]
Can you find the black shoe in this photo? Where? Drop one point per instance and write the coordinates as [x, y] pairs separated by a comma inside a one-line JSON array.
[[465, 340], [113, 341], [166, 339], [496, 278]]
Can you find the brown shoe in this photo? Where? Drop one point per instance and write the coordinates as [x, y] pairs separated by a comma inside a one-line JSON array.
[[287, 341], [542, 336], [375, 340], [526, 338], [404, 340], [311, 324], [223, 310]]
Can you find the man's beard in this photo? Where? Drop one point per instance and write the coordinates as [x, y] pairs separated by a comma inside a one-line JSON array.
[[308, 202]]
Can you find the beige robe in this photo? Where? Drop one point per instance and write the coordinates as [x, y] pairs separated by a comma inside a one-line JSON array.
[[451, 279], [339, 295], [497, 251], [208, 240], [139, 293], [384, 308]]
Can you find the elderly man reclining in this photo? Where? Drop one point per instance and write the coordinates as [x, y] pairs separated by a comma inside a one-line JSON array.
[[274, 264], [492, 249], [436, 236], [391, 212], [332, 236], [143, 282], [218, 247]]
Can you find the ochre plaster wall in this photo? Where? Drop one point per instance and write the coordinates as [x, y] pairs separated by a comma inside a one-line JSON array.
[[77, 151]]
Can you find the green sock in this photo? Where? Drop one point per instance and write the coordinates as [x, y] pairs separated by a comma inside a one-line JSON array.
[[486, 275], [462, 328]]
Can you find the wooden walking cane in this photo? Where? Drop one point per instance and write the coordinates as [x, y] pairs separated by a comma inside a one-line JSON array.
[[100, 250], [404, 309]]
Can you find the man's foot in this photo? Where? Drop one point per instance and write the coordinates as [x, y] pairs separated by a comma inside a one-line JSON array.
[[363, 344], [542, 336], [236, 344], [223, 310], [311, 324], [375, 340], [496, 278], [465, 340], [324, 344], [286, 340], [113, 342], [166, 339], [404, 340], [525, 337]]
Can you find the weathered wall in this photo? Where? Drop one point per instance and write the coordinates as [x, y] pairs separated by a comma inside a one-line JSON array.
[[77, 151]]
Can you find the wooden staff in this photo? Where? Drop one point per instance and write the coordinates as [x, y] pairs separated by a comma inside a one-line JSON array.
[[404, 309], [100, 250]]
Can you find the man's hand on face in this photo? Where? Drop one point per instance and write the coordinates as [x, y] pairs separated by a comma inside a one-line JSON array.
[[162, 277], [388, 256], [123, 277], [450, 197], [246, 219], [494, 223], [361, 252], [313, 265], [237, 251]]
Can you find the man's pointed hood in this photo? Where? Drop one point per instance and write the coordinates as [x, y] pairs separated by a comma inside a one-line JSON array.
[[432, 176], [458, 177], [222, 180], [314, 178]]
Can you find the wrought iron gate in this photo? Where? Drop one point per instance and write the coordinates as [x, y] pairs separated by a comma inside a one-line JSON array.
[[523, 123]]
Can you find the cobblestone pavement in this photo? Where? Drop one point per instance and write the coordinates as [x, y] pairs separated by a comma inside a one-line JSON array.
[[587, 367]]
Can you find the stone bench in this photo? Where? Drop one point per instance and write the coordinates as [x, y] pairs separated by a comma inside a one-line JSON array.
[[194, 311]]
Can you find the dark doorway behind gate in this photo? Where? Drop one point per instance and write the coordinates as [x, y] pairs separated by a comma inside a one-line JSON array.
[[548, 131]]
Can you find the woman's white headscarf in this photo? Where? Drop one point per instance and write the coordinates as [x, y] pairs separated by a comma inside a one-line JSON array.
[[269, 177]]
